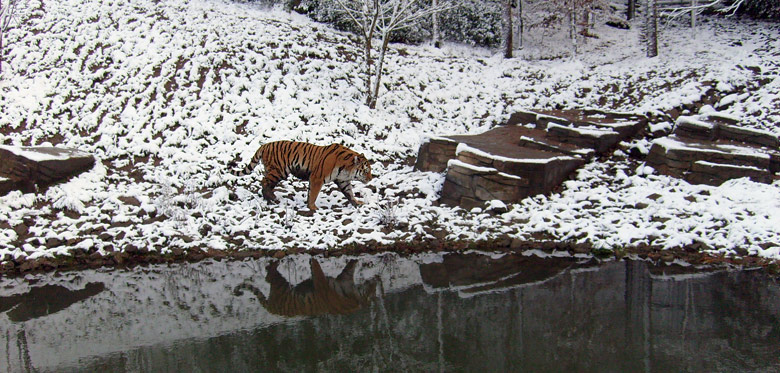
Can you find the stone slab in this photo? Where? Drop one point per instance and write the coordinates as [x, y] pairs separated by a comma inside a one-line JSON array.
[[471, 186], [598, 139], [626, 124], [709, 162], [434, 154], [717, 126], [703, 172], [488, 165], [27, 167]]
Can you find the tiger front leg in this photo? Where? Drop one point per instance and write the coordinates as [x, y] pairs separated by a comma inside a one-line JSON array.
[[314, 190], [346, 188]]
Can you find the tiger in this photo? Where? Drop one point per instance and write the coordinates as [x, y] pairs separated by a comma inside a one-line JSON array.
[[313, 163]]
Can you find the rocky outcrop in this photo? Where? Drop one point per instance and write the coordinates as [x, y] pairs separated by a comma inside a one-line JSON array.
[[531, 154], [25, 168], [711, 149]]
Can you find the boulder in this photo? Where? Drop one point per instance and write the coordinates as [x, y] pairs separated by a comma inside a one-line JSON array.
[[532, 154], [711, 148], [435, 153], [28, 167]]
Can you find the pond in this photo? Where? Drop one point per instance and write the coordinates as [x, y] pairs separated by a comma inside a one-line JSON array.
[[434, 312]]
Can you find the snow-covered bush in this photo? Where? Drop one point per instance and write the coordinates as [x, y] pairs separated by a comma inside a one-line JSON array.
[[769, 9], [476, 22], [388, 214]]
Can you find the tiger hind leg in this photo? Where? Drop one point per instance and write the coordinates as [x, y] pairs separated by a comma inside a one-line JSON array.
[[269, 183]]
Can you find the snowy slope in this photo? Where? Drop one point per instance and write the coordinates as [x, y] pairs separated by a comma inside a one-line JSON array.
[[165, 94]]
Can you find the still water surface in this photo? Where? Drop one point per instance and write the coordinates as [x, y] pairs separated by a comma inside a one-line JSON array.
[[455, 312]]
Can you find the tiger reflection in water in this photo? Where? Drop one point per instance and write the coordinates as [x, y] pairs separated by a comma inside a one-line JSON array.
[[318, 295]]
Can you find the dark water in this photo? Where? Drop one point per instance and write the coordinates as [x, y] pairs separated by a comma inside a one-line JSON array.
[[464, 312]]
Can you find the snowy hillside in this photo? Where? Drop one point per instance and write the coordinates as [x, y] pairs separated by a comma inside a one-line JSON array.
[[165, 94]]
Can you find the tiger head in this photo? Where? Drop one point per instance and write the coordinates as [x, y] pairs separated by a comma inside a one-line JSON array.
[[362, 168]]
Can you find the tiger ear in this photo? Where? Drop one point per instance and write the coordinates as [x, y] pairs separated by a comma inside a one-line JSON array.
[[356, 159]]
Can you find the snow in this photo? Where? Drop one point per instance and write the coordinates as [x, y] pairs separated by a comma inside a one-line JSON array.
[[44, 153], [694, 122], [165, 94], [723, 165], [465, 148], [593, 132], [455, 162], [670, 143]]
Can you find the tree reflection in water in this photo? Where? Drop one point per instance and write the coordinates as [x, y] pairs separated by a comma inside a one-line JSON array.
[[462, 312]]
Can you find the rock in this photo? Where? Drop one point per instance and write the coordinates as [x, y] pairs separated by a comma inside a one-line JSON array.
[[710, 149], [676, 156], [434, 154], [747, 136], [618, 23], [693, 128], [21, 230], [24, 168], [130, 200], [703, 172], [511, 162], [53, 242], [595, 138], [7, 185]]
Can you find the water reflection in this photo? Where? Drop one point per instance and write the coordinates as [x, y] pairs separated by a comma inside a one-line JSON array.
[[316, 296], [459, 312], [45, 300], [475, 273]]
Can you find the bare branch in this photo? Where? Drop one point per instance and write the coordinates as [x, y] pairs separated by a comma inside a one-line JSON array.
[[382, 18]]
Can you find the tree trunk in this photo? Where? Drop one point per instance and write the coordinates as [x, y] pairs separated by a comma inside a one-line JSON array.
[[378, 79], [368, 34], [573, 26], [367, 52], [518, 39], [651, 28], [508, 29], [435, 21], [631, 9], [1, 51]]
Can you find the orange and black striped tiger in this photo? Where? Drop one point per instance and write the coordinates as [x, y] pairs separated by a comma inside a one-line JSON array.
[[317, 164]]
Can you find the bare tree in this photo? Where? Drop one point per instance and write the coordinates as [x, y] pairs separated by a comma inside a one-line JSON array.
[[696, 7], [8, 10], [631, 9], [509, 30], [380, 19], [518, 26], [651, 28], [435, 20], [653, 7]]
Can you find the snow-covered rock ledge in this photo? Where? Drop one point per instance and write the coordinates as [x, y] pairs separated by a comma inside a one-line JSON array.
[[27, 167]]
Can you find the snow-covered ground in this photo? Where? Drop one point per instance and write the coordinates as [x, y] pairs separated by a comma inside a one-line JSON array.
[[165, 94]]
